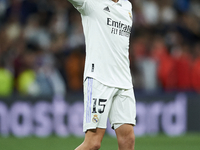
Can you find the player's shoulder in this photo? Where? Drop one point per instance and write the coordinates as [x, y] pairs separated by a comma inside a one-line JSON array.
[[127, 4]]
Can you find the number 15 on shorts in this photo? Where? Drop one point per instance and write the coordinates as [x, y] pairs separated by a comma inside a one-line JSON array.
[[101, 105]]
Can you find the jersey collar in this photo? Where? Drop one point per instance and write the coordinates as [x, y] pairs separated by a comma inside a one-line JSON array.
[[118, 3]]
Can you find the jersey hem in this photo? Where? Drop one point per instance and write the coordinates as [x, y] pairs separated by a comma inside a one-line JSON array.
[[109, 85]]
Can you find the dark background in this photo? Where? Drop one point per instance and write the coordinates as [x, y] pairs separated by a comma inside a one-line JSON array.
[[42, 47]]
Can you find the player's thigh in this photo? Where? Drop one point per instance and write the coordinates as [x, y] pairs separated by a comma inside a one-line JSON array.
[[97, 104], [123, 110]]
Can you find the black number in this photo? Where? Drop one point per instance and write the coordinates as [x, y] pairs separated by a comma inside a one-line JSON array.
[[94, 105], [102, 105], [102, 102]]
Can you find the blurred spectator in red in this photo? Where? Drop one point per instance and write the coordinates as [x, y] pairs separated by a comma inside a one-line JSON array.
[[166, 64], [183, 63], [138, 48], [196, 69]]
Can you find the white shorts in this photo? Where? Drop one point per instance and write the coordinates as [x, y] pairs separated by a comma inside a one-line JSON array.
[[102, 102]]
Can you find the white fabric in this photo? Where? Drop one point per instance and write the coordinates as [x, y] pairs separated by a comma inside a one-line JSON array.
[[102, 102], [107, 26]]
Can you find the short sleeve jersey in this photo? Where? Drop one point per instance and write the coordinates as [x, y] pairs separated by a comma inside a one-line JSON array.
[[107, 27]]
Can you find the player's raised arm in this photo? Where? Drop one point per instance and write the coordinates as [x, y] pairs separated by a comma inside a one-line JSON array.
[[77, 3], [83, 6]]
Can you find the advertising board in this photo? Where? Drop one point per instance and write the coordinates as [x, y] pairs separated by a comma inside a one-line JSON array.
[[63, 116]]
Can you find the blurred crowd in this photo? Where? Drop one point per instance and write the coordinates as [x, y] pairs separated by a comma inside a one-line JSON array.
[[42, 49]]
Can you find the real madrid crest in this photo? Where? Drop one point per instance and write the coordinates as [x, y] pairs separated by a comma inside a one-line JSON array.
[[95, 119]]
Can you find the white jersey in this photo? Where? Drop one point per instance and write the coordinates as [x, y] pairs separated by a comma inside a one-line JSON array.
[[107, 27]]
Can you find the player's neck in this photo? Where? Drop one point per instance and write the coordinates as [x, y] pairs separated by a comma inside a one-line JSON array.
[[115, 1]]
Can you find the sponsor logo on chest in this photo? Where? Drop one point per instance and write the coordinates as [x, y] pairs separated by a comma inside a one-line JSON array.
[[118, 27]]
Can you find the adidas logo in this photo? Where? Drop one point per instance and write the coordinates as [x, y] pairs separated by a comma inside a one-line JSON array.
[[107, 9]]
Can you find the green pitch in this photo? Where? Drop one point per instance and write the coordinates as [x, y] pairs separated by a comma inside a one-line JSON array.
[[160, 142]]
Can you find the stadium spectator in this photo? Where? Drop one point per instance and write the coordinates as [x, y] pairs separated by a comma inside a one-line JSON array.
[[166, 64], [196, 70], [6, 79], [74, 64], [55, 28], [183, 66], [26, 80]]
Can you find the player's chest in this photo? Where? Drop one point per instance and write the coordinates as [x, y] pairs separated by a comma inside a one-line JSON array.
[[113, 19], [115, 12]]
